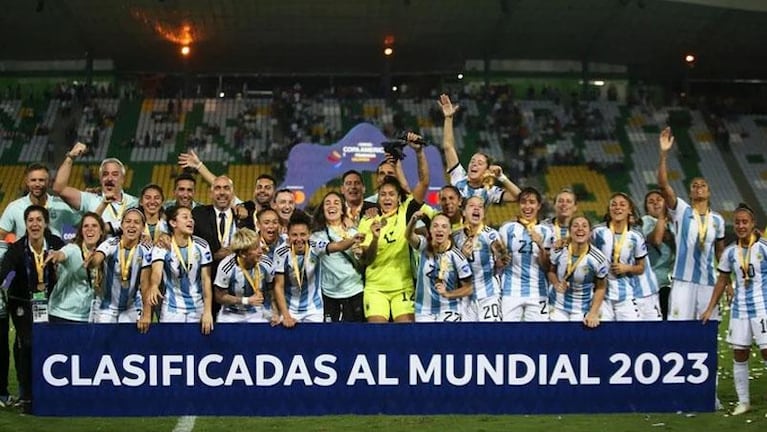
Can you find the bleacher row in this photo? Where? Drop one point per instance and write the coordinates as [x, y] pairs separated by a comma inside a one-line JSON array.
[[197, 117]]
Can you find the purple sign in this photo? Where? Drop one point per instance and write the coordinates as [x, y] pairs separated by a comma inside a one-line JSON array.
[[311, 166]]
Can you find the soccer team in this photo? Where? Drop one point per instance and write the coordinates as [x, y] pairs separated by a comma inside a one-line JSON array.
[[389, 257]]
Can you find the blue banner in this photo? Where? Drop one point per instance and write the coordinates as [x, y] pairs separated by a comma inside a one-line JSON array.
[[316, 369]]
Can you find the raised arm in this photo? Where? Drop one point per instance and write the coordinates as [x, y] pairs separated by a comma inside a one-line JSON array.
[[191, 160], [401, 177], [655, 238], [448, 139], [412, 238], [666, 142], [512, 190], [420, 189], [61, 186]]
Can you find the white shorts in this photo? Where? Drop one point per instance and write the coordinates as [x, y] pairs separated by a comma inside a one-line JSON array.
[[515, 309], [443, 316], [625, 310], [556, 314], [256, 316], [744, 331], [111, 316], [309, 317], [649, 308], [688, 301], [487, 309], [180, 317]]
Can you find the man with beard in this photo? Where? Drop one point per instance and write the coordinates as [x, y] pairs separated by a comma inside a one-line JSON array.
[[183, 192], [111, 203], [36, 178]]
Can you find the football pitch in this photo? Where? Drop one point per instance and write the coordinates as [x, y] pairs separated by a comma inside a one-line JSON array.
[[12, 420]]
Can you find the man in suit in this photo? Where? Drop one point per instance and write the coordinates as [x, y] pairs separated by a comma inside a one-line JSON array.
[[216, 223]]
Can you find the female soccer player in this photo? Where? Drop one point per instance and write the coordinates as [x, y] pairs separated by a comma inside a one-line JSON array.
[[443, 289], [185, 272], [699, 242], [243, 281], [659, 235], [626, 251], [118, 297], [482, 247], [524, 285], [72, 297], [150, 202], [744, 263], [481, 177], [578, 275]]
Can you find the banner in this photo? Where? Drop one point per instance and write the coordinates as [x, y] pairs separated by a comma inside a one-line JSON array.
[[310, 166], [317, 369]]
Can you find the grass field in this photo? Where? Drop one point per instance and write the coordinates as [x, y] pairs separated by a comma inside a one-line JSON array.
[[11, 420]]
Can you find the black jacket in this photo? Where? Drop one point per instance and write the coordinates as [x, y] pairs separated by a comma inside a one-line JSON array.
[[19, 259]]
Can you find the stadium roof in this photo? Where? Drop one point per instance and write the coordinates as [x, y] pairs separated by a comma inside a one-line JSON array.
[[346, 36]]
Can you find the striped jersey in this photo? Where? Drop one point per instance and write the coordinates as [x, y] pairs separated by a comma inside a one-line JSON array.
[[183, 282], [115, 294], [230, 278], [633, 247], [524, 277], [750, 299], [459, 179], [481, 261], [559, 232], [695, 263], [303, 293], [452, 268], [581, 281], [646, 284]]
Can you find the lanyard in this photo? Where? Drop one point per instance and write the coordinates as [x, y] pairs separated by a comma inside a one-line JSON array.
[[573, 265], [473, 234], [529, 225], [745, 257], [190, 254], [117, 214], [157, 231], [294, 262], [39, 263], [338, 232], [255, 283], [618, 243], [702, 226], [125, 264], [558, 231]]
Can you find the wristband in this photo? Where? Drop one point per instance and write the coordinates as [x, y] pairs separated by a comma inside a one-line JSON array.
[[502, 178], [245, 301], [198, 166]]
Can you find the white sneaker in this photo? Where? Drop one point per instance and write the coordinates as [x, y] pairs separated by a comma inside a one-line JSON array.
[[718, 404], [741, 408]]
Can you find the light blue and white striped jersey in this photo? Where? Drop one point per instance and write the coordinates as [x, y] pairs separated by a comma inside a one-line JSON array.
[[662, 256], [580, 290], [481, 261], [113, 295], [306, 296], [453, 266], [559, 232], [183, 286], [619, 288], [695, 263], [229, 278], [153, 231], [750, 299], [524, 277], [646, 284], [270, 250], [459, 179]]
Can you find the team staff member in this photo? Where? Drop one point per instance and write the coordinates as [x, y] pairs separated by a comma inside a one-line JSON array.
[[111, 203], [36, 178], [699, 242], [72, 297], [32, 278], [745, 264]]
